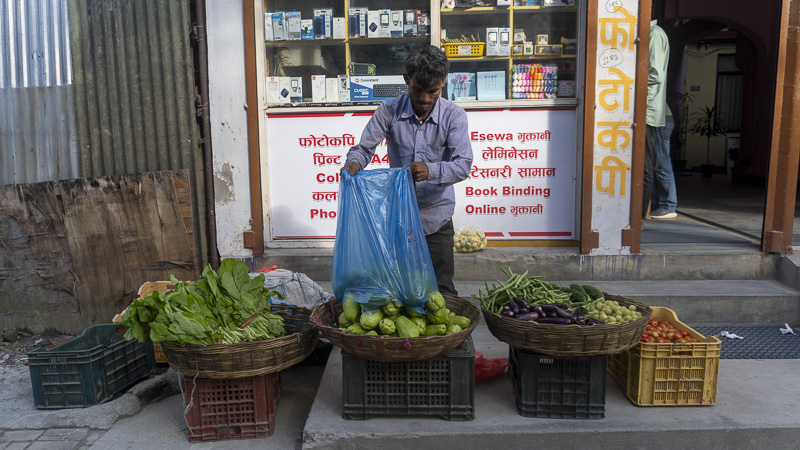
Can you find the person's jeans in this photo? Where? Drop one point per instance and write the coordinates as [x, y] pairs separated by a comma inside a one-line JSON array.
[[664, 195], [440, 246]]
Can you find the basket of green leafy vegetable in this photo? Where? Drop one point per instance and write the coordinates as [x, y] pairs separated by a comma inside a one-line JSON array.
[[224, 325]]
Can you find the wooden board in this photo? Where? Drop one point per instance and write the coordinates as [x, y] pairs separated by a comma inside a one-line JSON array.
[[75, 252]]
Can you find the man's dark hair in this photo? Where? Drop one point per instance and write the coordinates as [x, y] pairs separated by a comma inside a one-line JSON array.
[[427, 64]]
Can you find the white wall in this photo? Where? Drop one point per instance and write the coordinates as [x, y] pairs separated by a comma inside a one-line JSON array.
[[227, 102]]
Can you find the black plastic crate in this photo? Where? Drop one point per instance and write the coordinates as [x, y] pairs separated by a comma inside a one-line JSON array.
[[88, 370], [443, 386], [558, 387], [236, 408]]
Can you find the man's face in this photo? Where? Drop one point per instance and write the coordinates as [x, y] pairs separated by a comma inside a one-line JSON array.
[[423, 98]]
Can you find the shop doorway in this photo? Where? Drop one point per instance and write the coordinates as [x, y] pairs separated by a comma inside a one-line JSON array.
[[719, 63]]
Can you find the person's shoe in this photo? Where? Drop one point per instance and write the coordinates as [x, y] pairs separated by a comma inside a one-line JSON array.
[[662, 214]]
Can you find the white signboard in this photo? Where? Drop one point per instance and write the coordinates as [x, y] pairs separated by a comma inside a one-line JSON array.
[[522, 183], [617, 31]]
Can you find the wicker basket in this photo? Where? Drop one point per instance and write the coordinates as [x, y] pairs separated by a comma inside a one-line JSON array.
[[249, 359], [570, 340], [394, 349]]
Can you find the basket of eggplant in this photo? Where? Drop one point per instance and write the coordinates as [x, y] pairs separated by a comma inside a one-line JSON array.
[[577, 320]]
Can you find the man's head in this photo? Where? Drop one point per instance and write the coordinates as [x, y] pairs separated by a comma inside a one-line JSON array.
[[426, 71]]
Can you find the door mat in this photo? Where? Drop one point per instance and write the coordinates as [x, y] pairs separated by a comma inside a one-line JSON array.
[[758, 342]]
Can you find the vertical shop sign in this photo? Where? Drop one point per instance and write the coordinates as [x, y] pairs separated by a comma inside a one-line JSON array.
[[613, 146]]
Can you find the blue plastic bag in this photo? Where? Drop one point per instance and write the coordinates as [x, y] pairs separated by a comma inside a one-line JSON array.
[[380, 250]]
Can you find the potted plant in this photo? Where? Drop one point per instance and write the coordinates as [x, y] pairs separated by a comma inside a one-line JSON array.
[[706, 123], [679, 137]]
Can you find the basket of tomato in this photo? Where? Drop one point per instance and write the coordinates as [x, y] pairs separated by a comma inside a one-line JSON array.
[[665, 332], [671, 365]]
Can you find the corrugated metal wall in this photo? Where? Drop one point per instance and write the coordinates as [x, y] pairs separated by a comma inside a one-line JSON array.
[[134, 93], [37, 117]]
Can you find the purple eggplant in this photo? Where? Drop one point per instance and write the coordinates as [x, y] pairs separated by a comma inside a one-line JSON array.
[[578, 315], [549, 308], [558, 320], [564, 313], [514, 307], [529, 316]]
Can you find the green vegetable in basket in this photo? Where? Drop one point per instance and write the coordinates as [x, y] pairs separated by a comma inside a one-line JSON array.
[[411, 313], [453, 329], [441, 316], [351, 308], [356, 328], [343, 322], [592, 291], [421, 323], [370, 321], [387, 326], [461, 321], [435, 330], [392, 308], [435, 302], [406, 328], [579, 295], [225, 306], [371, 333]]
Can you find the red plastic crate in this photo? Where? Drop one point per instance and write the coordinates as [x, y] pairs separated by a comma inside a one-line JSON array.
[[236, 408]]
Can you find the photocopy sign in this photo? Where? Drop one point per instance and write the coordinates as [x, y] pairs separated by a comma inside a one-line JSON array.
[[521, 186]]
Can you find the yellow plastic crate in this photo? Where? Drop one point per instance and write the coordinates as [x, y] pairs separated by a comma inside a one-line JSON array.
[[669, 374], [463, 50]]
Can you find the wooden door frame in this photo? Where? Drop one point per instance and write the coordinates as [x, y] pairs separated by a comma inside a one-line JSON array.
[[785, 142]]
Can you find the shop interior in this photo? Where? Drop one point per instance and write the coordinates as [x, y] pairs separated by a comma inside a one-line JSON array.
[[711, 64]]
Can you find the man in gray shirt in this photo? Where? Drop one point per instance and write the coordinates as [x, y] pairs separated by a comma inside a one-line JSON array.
[[657, 163], [428, 134]]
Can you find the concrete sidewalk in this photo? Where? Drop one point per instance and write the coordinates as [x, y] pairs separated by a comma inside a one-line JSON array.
[[758, 406]]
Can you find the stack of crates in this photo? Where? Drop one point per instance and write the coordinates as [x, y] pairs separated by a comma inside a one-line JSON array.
[[558, 387], [236, 408], [443, 386], [88, 370]]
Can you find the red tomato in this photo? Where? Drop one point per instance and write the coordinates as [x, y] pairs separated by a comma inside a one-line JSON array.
[[654, 322]]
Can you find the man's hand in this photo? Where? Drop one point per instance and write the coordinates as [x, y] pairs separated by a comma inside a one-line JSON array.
[[419, 171], [352, 167]]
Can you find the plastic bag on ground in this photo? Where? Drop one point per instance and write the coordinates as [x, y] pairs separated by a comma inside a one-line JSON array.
[[486, 369], [297, 288], [380, 250]]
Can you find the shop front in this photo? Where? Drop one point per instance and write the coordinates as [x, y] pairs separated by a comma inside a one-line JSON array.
[[547, 169]]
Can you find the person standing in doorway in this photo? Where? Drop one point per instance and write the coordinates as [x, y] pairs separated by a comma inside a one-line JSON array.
[[656, 146], [429, 135], [664, 199]]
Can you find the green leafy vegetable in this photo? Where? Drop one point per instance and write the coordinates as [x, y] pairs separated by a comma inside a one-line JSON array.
[[213, 310]]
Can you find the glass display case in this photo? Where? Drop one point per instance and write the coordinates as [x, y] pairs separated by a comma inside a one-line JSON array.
[[315, 49], [511, 50], [499, 50]]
